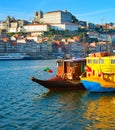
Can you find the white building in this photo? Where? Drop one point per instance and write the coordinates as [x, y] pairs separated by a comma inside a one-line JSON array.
[[35, 28], [3, 25], [34, 38], [65, 26], [13, 29], [57, 17]]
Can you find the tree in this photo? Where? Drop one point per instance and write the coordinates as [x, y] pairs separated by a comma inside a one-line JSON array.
[[112, 24], [84, 37], [74, 20]]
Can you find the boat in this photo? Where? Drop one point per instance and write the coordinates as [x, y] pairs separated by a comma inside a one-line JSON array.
[[13, 56], [99, 75], [67, 78]]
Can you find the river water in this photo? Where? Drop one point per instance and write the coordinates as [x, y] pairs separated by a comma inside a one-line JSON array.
[[25, 105]]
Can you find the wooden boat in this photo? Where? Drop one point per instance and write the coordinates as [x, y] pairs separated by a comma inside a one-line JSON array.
[[57, 83], [67, 78], [100, 72]]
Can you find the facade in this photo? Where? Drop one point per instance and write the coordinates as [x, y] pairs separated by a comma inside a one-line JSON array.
[[58, 17], [2, 47], [53, 17], [58, 20], [3, 25], [29, 47], [35, 28], [65, 26], [38, 16], [13, 27], [113, 42], [13, 46]]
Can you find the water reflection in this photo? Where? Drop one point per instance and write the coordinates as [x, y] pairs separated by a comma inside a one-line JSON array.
[[100, 111], [78, 110], [61, 109]]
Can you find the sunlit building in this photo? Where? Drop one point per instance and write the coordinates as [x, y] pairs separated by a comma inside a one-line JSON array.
[[53, 17]]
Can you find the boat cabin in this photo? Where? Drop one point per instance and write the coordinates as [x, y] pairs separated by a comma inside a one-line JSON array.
[[71, 69], [101, 65]]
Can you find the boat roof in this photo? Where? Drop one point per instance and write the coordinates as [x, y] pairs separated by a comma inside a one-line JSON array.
[[72, 60], [104, 57]]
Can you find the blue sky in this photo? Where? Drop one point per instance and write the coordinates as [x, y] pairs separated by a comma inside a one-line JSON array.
[[95, 11]]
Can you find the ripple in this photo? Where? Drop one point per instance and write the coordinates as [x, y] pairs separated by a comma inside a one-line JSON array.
[[29, 106]]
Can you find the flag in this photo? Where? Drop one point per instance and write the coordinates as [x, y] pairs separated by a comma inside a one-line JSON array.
[[48, 70]]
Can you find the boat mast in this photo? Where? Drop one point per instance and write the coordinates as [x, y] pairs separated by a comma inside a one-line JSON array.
[[107, 41], [84, 44]]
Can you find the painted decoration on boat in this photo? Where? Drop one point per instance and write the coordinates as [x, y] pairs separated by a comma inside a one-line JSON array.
[[99, 73]]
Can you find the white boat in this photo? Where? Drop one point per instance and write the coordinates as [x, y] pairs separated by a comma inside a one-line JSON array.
[[13, 56]]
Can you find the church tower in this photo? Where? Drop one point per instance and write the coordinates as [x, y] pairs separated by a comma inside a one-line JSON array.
[[38, 16]]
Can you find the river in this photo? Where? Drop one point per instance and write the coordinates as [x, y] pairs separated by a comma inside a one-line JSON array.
[[26, 105]]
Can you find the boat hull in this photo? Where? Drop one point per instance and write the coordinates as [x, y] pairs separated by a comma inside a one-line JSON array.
[[59, 84], [95, 86]]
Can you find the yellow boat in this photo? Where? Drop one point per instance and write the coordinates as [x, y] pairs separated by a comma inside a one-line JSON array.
[[99, 75]]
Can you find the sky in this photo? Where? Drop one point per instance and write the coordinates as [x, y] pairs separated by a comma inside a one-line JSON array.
[[94, 11]]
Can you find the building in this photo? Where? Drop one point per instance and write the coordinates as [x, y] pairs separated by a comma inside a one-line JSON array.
[[38, 16], [53, 17], [58, 20], [91, 26], [35, 28], [65, 26], [58, 17]]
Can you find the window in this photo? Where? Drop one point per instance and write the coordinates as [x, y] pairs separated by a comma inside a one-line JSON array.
[[95, 61], [113, 61], [89, 61], [101, 61]]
